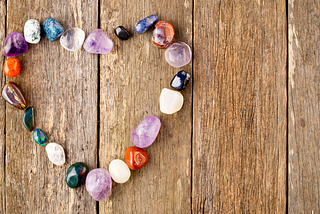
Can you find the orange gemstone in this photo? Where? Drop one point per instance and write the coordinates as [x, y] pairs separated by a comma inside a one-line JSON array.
[[163, 34], [11, 67], [136, 158]]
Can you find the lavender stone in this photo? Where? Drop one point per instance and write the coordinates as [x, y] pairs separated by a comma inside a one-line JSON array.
[[15, 45], [99, 184], [98, 42], [178, 54], [146, 132]]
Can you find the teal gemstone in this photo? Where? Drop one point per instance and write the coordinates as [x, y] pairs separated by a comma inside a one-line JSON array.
[[76, 174], [28, 118], [40, 137]]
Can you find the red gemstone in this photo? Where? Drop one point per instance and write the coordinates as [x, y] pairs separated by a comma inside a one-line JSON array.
[[136, 158], [163, 34]]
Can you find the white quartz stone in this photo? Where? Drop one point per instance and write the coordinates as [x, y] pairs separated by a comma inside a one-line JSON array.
[[32, 31], [72, 39], [56, 153], [170, 101], [119, 171]]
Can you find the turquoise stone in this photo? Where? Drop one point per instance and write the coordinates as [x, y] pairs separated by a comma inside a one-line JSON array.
[[40, 137], [76, 174], [28, 118]]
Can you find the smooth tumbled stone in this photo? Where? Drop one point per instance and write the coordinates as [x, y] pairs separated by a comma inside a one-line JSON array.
[[136, 158], [76, 174], [40, 137], [170, 101], [146, 132], [12, 94], [52, 28], [122, 33], [11, 67], [119, 171], [143, 25], [72, 39], [180, 80], [32, 31], [28, 118], [99, 184], [15, 45], [56, 154], [98, 42], [178, 54], [163, 34]]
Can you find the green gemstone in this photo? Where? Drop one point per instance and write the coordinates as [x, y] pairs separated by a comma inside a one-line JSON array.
[[76, 174], [40, 137], [28, 118]]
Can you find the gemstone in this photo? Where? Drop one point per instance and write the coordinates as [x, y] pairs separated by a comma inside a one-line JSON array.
[[99, 184], [40, 137], [163, 34], [76, 174], [32, 31], [28, 118], [136, 158], [122, 33], [72, 39], [56, 154], [119, 171], [180, 80], [15, 45], [11, 67], [146, 132], [52, 28], [178, 54], [12, 94], [98, 42], [143, 25], [170, 101]]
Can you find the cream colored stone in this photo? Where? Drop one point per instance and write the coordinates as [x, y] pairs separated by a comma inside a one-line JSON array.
[[119, 171], [170, 101]]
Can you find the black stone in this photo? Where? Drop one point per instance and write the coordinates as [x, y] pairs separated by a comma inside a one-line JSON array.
[[180, 80], [122, 33]]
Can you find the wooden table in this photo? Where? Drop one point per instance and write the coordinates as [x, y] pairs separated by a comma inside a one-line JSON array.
[[245, 141]]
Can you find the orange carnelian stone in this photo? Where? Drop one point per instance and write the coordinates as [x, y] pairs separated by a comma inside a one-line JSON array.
[[11, 67], [136, 158]]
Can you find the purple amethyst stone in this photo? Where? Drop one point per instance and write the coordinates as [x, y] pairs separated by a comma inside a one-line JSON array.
[[99, 184], [146, 132], [98, 42], [15, 45]]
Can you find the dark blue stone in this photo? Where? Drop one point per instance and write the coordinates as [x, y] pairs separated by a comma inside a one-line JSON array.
[[122, 33], [52, 28], [143, 25], [180, 81]]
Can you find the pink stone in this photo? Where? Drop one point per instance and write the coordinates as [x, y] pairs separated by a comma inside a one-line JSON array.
[[99, 184], [98, 42], [178, 54], [146, 132]]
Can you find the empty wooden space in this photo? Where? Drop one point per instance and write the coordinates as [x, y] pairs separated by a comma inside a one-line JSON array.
[[245, 141]]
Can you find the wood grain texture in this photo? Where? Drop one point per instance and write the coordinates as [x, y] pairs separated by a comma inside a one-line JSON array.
[[304, 107], [239, 107], [131, 79], [62, 86]]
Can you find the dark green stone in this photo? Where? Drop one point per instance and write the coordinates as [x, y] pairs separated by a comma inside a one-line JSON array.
[[40, 137], [28, 118], [76, 174]]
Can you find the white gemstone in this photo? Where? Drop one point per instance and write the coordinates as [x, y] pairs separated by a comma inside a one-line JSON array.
[[170, 101], [72, 39], [56, 153], [119, 171], [32, 31]]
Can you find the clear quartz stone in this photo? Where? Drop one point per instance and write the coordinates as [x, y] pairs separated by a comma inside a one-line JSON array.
[[72, 39], [55, 154]]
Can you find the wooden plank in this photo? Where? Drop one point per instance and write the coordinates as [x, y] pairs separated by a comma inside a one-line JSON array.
[[304, 107], [62, 86], [132, 77], [3, 13], [240, 104]]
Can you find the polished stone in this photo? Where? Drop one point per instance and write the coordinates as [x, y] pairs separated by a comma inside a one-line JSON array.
[[178, 54], [163, 34], [76, 174], [15, 45], [136, 158], [32, 31], [99, 184], [119, 171], [98, 42], [11, 67], [56, 154], [52, 28], [180, 80], [146, 132], [122, 33], [72, 39], [143, 25], [170, 101], [12, 94], [28, 118], [39, 137]]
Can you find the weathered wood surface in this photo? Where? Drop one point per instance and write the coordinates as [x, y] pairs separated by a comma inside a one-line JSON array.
[[304, 108], [239, 107]]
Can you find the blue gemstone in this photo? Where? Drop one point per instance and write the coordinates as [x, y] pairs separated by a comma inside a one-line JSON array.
[[40, 137], [180, 80], [143, 25], [52, 28]]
